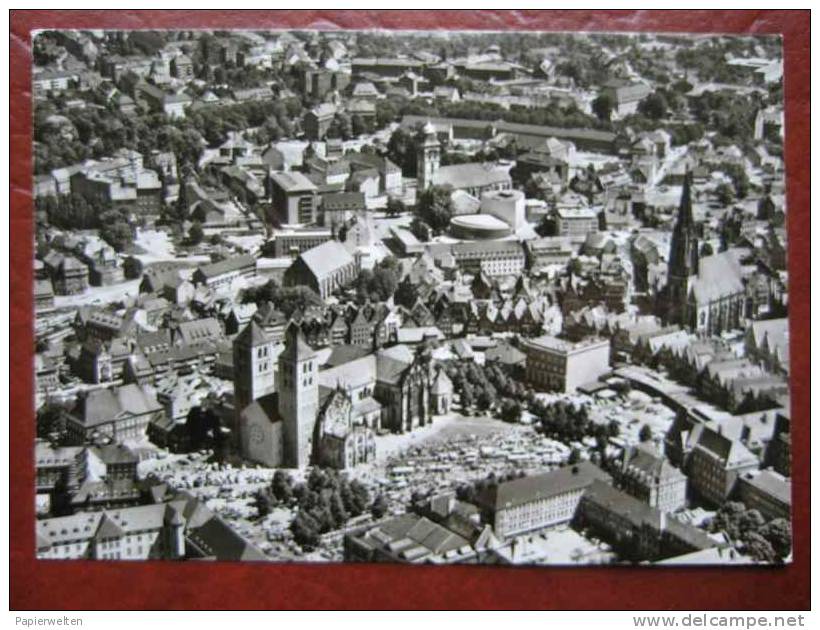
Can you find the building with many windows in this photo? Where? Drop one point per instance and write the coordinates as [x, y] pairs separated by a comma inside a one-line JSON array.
[[715, 464], [647, 475], [538, 501], [294, 198], [183, 528], [560, 365], [117, 413]]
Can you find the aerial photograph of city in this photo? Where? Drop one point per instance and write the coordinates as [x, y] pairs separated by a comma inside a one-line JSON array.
[[422, 297]]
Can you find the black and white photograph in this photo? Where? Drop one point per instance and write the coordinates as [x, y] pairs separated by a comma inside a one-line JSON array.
[[419, 297]]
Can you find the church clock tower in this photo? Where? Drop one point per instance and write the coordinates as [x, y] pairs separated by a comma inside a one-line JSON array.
[[683, 259], [428, 157], [298, 387]]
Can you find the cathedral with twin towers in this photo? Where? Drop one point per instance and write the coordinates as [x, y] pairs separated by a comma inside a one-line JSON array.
[[297, 406]]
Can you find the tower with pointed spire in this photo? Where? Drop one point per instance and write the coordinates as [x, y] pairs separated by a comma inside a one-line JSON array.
[[683, 258], [428, 157], [298, 387]]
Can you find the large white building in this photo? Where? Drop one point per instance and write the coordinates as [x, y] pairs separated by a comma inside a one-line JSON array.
[[559, 365]]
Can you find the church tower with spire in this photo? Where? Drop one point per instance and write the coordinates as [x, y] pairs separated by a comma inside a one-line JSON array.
[[683, 259], [298, 387], [428, 157]]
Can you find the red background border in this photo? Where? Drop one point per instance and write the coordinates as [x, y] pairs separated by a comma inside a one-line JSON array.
[[165, 585]]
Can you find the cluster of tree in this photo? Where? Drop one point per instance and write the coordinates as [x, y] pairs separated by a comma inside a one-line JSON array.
[[749, 531], [379, 284], [76, 212], [288, 300], [45, 48], [275, 116], [407, 293], [116, 229], [402, 148], [148, 43], [232, 76], [731, 115], [204, 430], [654, 106], [51, 421], [434, 207], [567, 422], [100, 131], [69, 212], [739, 177], [395, 207], [323, 503], [708, 61], [585, 70], [489, 386]]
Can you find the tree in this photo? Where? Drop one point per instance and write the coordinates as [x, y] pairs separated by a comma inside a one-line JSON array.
[[379, 507], [613, 428], [383, 283], [467, 396], [485, 401], [282, 487], [132, 268], [725, 194], [395, 207], [359, 498], [305, 530], [51, 420], [779, 535], [262, 500], [510, 411], [653, 106], [338, 509], [420, 229], [435, 208], [645, 434], [406, 293], [602, 107], [401, 149], [115, 230], [759, 548], [196, 234], [682, 86], [574, 457]]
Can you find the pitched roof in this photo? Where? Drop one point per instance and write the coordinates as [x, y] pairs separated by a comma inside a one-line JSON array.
[[536, 487], [442, 384], [296, 347], [718, 276], [470, 175], [252, 335], [326, 258], [102, 406], [228, 265]]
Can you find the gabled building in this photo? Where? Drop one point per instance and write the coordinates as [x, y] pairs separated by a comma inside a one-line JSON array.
[[324, 269], [647, 475]]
